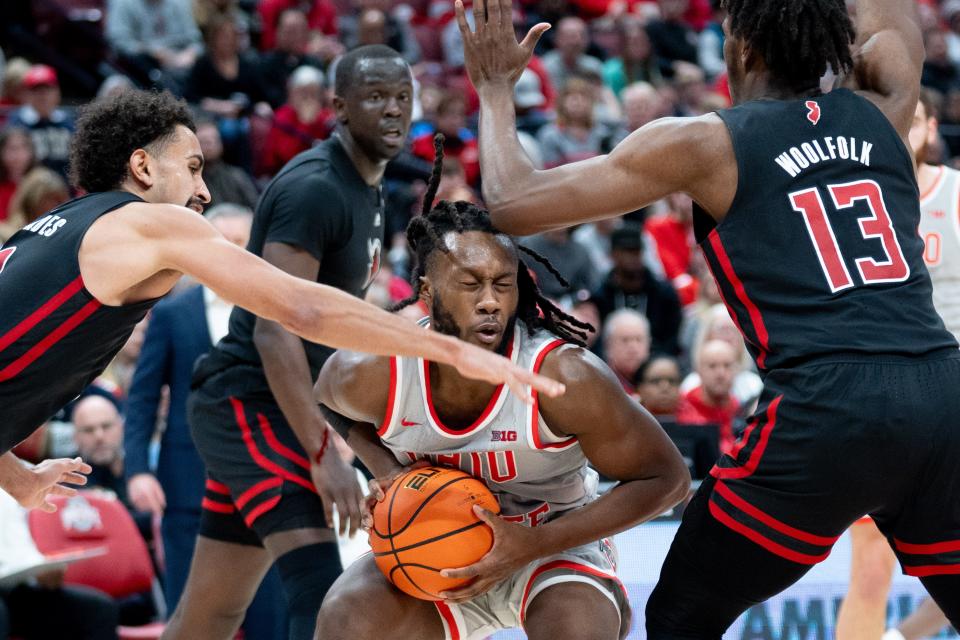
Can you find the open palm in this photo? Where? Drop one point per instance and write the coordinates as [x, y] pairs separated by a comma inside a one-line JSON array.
[[492, 53]]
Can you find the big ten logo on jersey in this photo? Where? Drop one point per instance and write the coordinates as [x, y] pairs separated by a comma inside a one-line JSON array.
[[503, 436], [416, 482], [374, 248], [489, 466], [46, 226]]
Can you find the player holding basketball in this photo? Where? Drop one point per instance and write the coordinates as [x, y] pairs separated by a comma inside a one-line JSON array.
[[74, 283], [807, 213], [546, 573], [863, 614]]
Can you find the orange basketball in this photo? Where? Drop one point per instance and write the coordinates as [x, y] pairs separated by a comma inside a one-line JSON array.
[[426, 523]]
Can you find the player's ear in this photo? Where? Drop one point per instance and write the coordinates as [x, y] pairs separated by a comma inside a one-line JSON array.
[[141, 169], [340, 107], [426, 291], [933, 131]]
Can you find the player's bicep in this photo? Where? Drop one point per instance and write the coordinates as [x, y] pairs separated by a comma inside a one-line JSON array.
[[354, 385], [617, 435]]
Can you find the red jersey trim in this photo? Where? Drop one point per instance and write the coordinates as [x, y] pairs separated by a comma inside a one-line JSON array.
[[388, 415], [449, 621], [947, 546], [730, 473], [564, 564], [217, 487], [17, 366], [534, 421], [933, 188], [755, 536], [216, 507], [478, 424], [770, 521], [257, 489], [41, 313], [763, 338]]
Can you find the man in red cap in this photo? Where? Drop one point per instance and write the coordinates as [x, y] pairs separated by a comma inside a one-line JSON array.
[[50, 127]]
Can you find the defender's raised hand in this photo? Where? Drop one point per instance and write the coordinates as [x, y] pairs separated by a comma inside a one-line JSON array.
[[493, 55]]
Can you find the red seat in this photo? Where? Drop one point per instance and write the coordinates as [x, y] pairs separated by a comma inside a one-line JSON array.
[[95, 519]]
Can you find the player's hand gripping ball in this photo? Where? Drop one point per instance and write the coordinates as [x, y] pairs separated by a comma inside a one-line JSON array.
[[426, 523]]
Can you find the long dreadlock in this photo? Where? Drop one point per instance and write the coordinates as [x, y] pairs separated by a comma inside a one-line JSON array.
[[798, 39], [425, 235]]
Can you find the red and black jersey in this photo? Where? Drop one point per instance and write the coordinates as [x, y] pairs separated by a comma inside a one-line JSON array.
[[819, 254], [55, 337]]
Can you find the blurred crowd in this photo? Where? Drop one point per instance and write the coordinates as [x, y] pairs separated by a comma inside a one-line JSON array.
[[259, 75]]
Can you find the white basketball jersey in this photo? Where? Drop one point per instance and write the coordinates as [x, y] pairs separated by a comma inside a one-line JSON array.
[[533, 473], [940, 230]]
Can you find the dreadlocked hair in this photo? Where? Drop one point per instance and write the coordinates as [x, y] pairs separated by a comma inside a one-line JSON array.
[[798, 39], [425, 235]]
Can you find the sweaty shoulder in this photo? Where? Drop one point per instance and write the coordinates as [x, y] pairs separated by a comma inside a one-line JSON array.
[[356, 385]]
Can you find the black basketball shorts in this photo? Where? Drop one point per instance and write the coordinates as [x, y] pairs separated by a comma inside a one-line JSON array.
[[258, 475], [834, 440]]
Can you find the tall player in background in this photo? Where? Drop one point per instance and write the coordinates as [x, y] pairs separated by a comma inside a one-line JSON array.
[[863, 614], [807, 212], [554, 576], [74, 283]]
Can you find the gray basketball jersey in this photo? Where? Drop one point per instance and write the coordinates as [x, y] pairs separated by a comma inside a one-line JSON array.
[[533, 473], [940, 230]]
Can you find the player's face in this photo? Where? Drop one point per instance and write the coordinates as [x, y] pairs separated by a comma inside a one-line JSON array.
[[472, 291], [178, 178], [376, 110], [923, 132]]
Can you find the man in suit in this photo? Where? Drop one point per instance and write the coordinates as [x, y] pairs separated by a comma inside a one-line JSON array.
[[182, 328]]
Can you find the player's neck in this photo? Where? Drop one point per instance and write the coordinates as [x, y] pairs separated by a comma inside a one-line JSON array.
[[369, 169], [762, 88], [456, 398], [927, 174]]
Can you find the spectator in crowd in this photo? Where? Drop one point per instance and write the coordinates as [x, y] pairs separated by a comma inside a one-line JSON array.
[[571, 260], [641, 105], [529, 101], [38, 192], [114, 85], [710, 42], [301, 122], [454, 186], [40, 606], [459, 142], [183, 328], [50, 126], [156, 40], [321, 18], [595, 238], [575, 136], [226, 80], [13, 74], [938, 72], [16, 159], [712, 401], [659, 386], [672, 37], [226, 183], [636, 62], [631, 285], [626, 346], [396, 32], [672, 234], [205, 11], [98, 435], [569, 58], [276, 66], [691, 88], [716, 324], [584, 310]]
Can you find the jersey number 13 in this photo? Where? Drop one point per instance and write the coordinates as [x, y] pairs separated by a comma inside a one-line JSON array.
[[877, 225]]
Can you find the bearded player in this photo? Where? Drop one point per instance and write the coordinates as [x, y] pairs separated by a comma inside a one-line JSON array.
[[554, 576]]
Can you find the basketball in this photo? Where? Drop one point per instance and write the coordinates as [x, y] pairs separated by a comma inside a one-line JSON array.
[[425, 524]]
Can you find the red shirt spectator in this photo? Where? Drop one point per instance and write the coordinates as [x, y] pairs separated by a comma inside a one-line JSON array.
[[673, 235], [299, 123], [321, 16], [459, 142], [712, 402]]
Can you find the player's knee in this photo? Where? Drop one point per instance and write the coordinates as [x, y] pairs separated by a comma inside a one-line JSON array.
[[870, 580], [341, 616]]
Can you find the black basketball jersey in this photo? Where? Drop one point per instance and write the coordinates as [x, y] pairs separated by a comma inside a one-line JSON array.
[[319, 203], [55, 337], [819, 253]]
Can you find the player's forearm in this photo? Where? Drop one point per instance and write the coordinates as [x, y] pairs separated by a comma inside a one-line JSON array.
[[507, 171], [288, 375], [365, 442], [623, 507], [334, 318]]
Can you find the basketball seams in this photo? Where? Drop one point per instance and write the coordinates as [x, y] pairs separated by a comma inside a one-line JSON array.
[[419, 508], [430, 540]]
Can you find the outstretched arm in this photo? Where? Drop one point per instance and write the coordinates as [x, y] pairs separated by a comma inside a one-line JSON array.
[[666, 156], [889, 58], [151, 239]]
